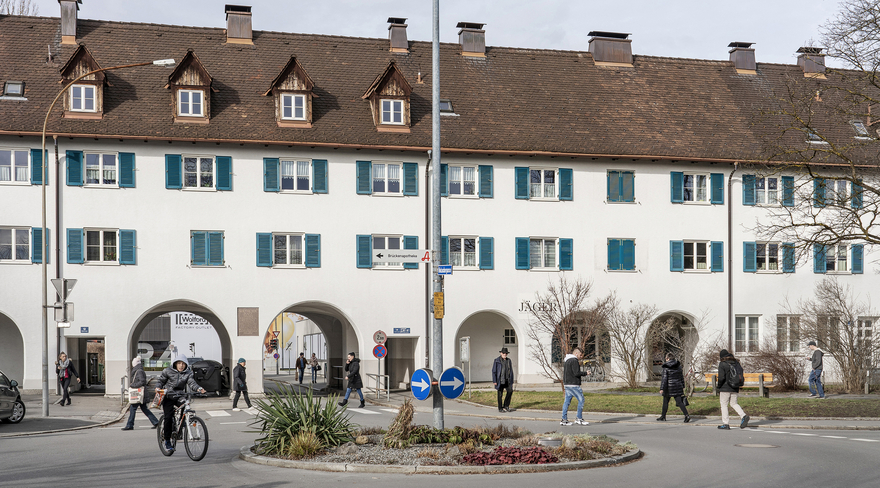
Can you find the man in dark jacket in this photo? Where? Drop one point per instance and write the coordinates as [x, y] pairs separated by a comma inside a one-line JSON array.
[[138, 379], [571, 380], [301, 367], [353, 373], [729, 393], [239, 384], [502, 378], [175, 379], [815, 380], [672, 386]]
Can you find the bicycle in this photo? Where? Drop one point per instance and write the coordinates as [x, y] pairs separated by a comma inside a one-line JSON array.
[[187, 426], [594, 369]]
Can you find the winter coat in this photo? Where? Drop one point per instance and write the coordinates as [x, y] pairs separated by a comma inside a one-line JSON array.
[[301, 362], [723, 369], [137, 378], [672, 381], [571, 371], [498, 373], [239, 378], [71, 371], [175, 382], [354, 374], [817, 358]]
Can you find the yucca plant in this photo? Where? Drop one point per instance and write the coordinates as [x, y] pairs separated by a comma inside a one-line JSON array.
[[285, 413]]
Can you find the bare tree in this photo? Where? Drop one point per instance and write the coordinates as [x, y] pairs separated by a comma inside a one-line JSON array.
[[787, 368], [691, 346], [630, 332], [18, 7]]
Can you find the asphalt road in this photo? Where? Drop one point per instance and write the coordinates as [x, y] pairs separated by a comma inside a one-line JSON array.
[[675, 455]]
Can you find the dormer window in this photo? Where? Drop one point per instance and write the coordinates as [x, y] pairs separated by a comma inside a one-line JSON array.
[[389, 100], [392, 112], [446, 106], [82, 98], [292, 90], [190, 103], [190, 85], [293, 107], [814, 138]]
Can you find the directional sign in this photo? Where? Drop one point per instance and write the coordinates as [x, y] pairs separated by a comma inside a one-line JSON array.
[[380, 351], [421, 383], [401, 256], [444, 269], [452, 383], [380, 337]]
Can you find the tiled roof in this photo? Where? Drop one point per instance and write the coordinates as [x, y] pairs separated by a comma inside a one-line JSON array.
[[513, 100]]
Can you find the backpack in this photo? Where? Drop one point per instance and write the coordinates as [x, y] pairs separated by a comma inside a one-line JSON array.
[[735, 377]]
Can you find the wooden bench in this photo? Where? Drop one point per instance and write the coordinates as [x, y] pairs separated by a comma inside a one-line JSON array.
[[752, 380]]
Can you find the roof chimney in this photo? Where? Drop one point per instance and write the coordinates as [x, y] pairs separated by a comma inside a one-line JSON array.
[[472, 38], [238, 25], [611, 48], [743, 57], [69, 8], [812, 60], [397, 35]]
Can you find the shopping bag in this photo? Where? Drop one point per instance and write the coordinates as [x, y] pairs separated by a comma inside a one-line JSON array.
[[135, 395], [157, 400]]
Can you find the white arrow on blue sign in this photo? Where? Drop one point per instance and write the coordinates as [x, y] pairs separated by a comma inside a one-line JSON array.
[[421, 383], [452, 383]]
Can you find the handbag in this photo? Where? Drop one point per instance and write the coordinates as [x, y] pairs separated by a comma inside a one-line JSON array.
[[135, 395], [318, 368]]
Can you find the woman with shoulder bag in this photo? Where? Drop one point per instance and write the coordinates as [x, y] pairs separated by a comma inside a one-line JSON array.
[[314, 363], [672, 386], [138, 379], [65, 370]]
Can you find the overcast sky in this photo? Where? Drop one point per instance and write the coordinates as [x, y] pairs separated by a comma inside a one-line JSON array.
[[676, 28]]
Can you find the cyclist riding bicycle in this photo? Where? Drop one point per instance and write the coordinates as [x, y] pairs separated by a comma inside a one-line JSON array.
[[174, 379]]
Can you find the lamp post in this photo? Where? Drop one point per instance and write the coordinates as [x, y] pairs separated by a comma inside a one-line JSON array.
[[45, 240]]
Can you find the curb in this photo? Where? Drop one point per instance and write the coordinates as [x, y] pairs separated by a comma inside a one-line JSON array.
[[247, 455], [119, 417]]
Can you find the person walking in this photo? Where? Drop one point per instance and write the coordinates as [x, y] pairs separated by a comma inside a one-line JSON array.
[[239, 384], [138, 379], [353, 374], [175, 379], [815, 380], [65, 370], [502, 378], [729, 393], [301, 367], [571, 380], [672, 386], [313, 362]]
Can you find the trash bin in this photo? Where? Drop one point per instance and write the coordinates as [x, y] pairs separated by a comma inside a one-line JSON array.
[[209, 375]]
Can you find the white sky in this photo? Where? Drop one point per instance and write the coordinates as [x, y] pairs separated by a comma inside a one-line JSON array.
[[676, 28]]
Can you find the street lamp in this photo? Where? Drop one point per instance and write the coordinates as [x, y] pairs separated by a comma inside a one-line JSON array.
[[45, 240]]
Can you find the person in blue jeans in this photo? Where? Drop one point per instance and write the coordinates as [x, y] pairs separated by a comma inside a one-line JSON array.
[[571, 379], [138, 379], [353, 373], [816, 375]]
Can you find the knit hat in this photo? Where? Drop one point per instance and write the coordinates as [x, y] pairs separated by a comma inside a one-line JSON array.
[[241, 360], [811, 343], [724, 353], [135, 361]]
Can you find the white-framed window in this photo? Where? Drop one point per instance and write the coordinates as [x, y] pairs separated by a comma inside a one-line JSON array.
[[102, 246], [463, 252], [82, 98], [746, 333], [387, 242], [836, 191], [190, 103], [836, 258], [386, 178], [15, 245], [446, 106], [462, 180], [198, 172], [828, 332], [296, 175], [392, 112], [15, 166], [542, 183], [542, 253], [865, 338], [288, 251], [767, 190], [696, 187], [767, 256], [696, 255], [293, 106], [509, 337], [101, 169], [788, 333]]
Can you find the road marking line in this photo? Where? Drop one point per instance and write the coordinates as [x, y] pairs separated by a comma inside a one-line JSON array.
[[389, 410], [833, 437], [866, 440], [776, 432], [368, 412], [218, 413], [805, 435], [227, 423]]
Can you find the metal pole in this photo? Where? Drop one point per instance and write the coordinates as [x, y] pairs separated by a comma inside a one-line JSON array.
[[437, 346]]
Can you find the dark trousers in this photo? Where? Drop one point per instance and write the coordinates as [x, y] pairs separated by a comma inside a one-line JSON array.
[[679, 401], [65, 390], [132, 410], [501, 389], [168, 405], [237, 395]]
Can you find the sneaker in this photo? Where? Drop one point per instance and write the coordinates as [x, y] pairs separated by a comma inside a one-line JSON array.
[[581, 422], [745, 422], [565, 423], [507, 410], [724, 427], [236, 409], [168, 446], [812, 395], [821, 398]]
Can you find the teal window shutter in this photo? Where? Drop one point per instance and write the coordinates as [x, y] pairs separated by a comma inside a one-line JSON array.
[[522, 184], [364, 251], [75, 253], [677, 183], [224, 173], [566, 177], [819, 192], [612, 186], [411, 179], [271, 180], [38, 249], [313, 250], [37, 168], [126, 170], [74, 168], [264, 250], [676, 255], [566, 254], [444, 180], [444, 250], [614, 254], [627, 186], [522, 252], [411, 242], [198, 248], [717, 256], [787, 257], [858, 259], [365, 186], [487, 252], [215, 249], [819, 265], [748, 189], [788, 191], [717, 181], [486, 186], [173, 172], [857, 191], [127, 247], [628, 254], [750, 257], [319, 176]]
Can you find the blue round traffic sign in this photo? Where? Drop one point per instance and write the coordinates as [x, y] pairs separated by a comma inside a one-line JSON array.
[[420, 383], [452, 383], [275, 355], [380, 351]]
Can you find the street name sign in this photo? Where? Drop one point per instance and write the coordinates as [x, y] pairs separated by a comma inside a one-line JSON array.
[[401, 256], [444, 269], [401, 330], [420, 384], [452, 383]]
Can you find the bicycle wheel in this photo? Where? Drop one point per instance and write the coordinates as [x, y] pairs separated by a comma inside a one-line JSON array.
[[599, 373], [160, 435], [195, 438]]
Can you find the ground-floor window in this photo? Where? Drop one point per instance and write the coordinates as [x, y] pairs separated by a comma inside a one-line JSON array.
[[509, 337], [746, 334], [788, 333]]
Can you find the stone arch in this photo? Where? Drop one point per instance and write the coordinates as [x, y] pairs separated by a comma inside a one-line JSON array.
[[685, 335], [486, 330], [11, 349]]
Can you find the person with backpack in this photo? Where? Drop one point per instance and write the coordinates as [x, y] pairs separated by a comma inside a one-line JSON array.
[[815, 380], [730, 379], [672, 386]]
